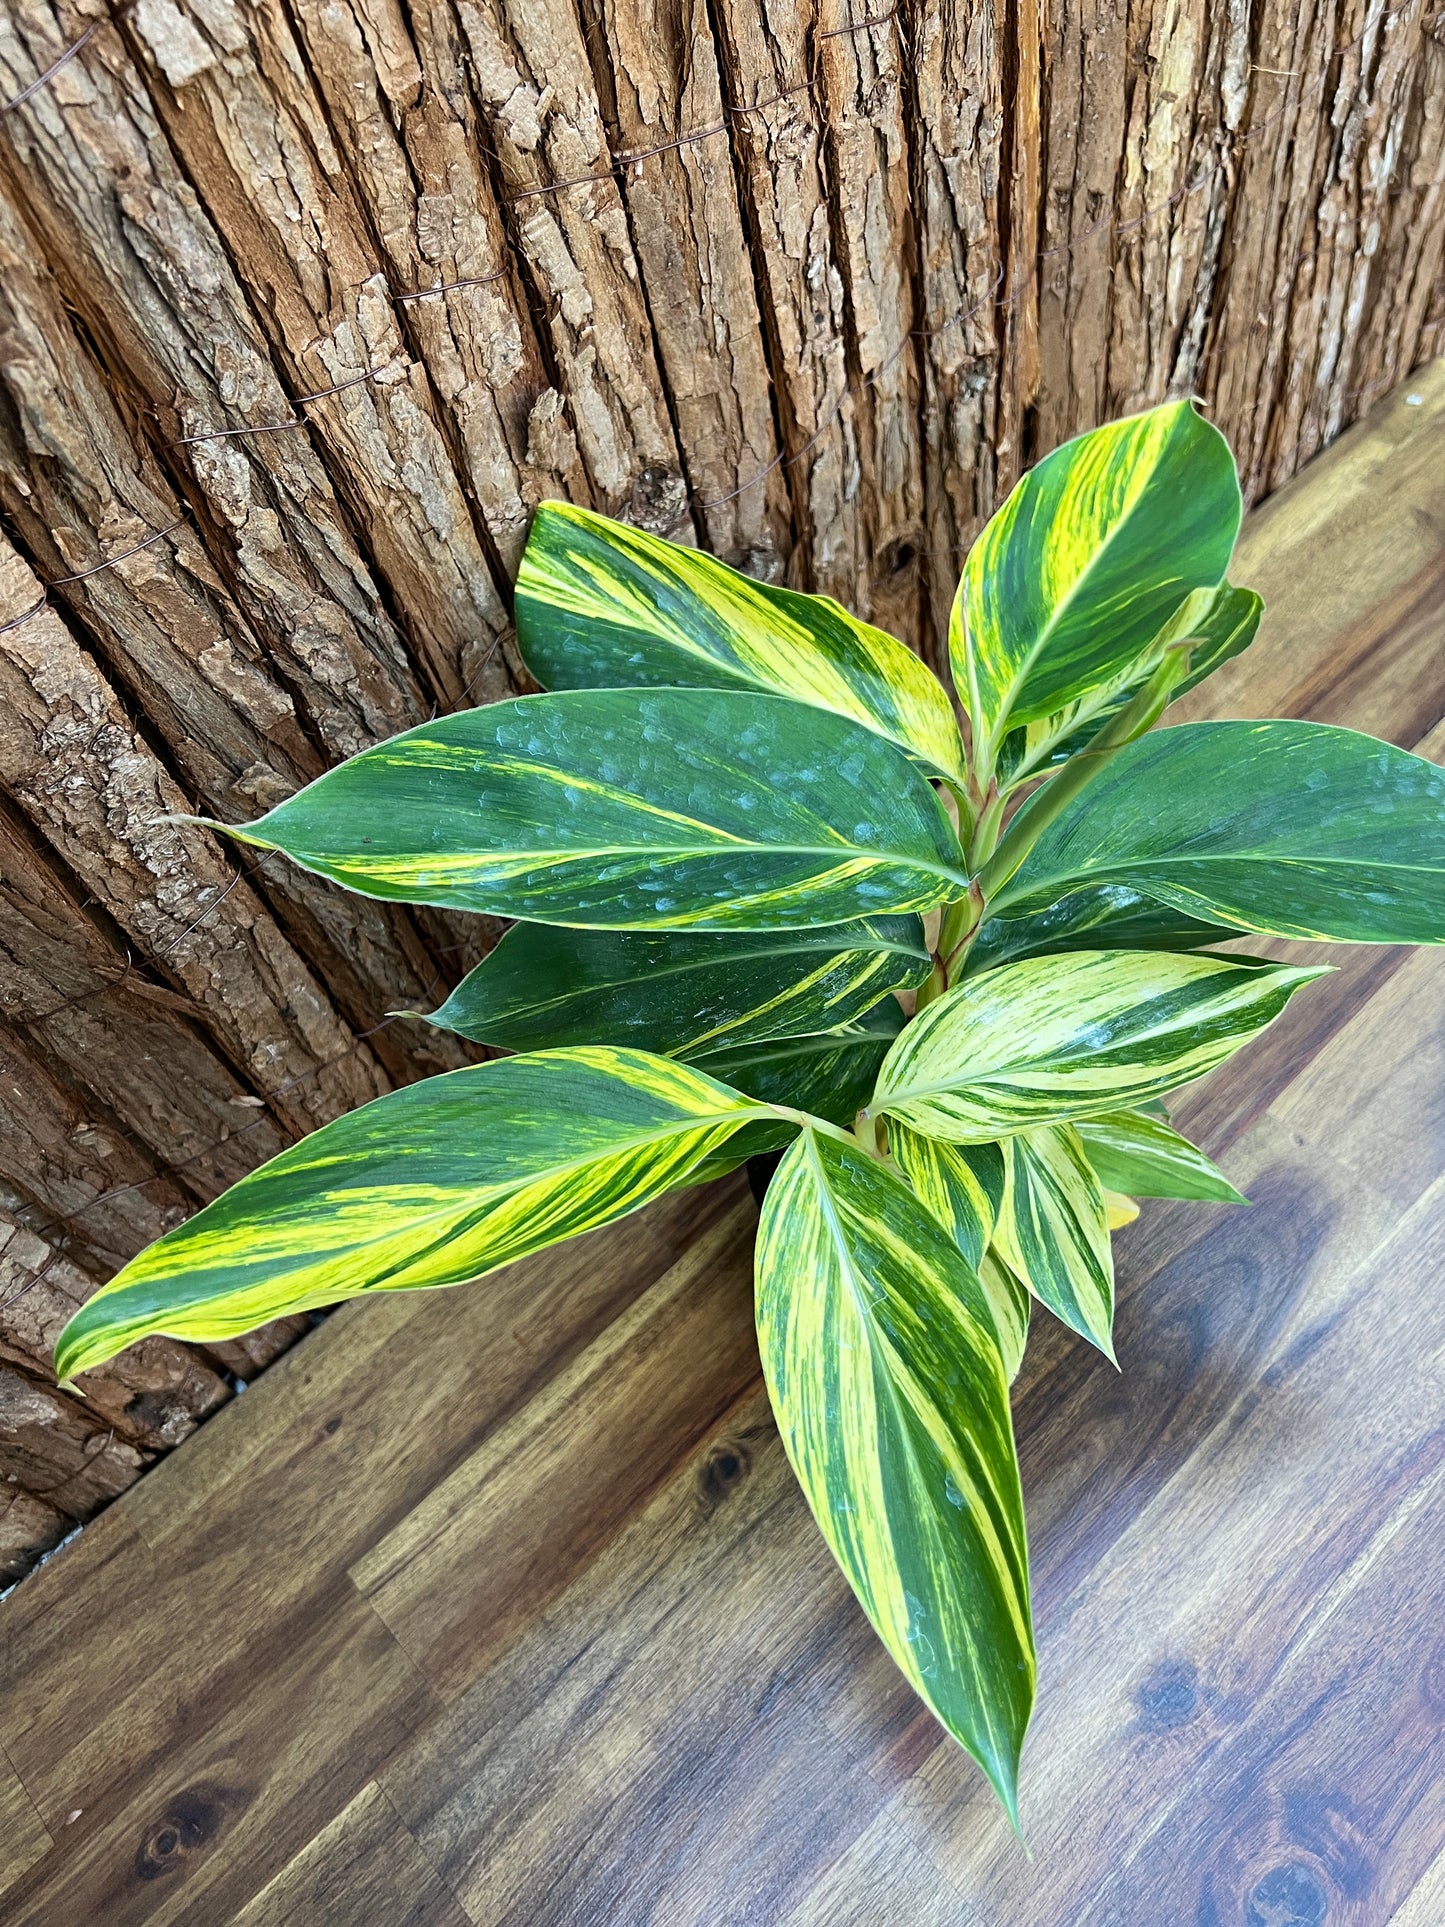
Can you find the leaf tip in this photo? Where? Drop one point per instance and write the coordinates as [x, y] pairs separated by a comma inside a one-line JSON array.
[[1003, 1777], [77, 1350]]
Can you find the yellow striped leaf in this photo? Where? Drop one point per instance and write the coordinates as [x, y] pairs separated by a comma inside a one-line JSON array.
[[603, 605], [1053, 1230], [645, 809], [1293, 828], [1141, 1156], [1086, 561], [1010, 1302], [886, 1378], [675, 992], [961, 1184], [1052, 1038], [433, 1184], [1217, 623]]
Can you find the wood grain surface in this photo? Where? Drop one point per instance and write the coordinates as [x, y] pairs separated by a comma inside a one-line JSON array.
[[500, 1605]]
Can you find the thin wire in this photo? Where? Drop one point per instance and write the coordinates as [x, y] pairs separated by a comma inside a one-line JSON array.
[[84, 575], [621, 162], [471, 680], [862, 26], [273, 428], [40, 80], [447, 287]]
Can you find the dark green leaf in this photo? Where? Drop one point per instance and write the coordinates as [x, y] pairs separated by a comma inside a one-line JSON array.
[[1299, 829], [830, 1074], [631, 809], [677, 993], [1107, 916]]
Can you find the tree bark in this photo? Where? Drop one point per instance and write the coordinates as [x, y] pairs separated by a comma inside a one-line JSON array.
[[305, 307]]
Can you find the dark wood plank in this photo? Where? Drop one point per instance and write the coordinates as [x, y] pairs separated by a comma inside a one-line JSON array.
[[1329, 1802], [655, 1747], [1350, 559], [363, 1867], [1168, 1648], [254, 1767], [1425, 1904], [404, 1386], [23, 1838], [1379, 1085], [489, 1545]]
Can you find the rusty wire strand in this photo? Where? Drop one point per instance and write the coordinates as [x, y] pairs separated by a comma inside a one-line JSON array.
[[84, 575]]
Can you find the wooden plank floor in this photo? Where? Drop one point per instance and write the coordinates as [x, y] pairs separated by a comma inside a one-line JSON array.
[[500, 1606]]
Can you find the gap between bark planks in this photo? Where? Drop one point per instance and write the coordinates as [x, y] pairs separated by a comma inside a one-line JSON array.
[[400, 107], [657, 68], [88, 783]]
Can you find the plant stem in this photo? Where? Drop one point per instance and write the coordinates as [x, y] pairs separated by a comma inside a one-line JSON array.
[[985, 831], [1053, 799], [867, 1127]]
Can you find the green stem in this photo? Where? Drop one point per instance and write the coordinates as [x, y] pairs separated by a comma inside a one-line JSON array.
[[985, 832], [1050, 802], [933, 985], [867, 1127]]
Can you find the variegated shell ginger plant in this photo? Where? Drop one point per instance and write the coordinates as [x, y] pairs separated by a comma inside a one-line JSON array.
[[743, 835]]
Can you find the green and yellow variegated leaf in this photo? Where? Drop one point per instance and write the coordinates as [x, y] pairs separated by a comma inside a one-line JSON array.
[[961, 1184], [1107, 916], [1053, 1038], [603, 605], [1053, 1230], [645, 809], [885, 1375], [1220, 632], [680, 993], [1010, 1303], [1086, 561], [1297, 829], [830, 1074], [433, 1184], [1217, 623], [1141, 1156]]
